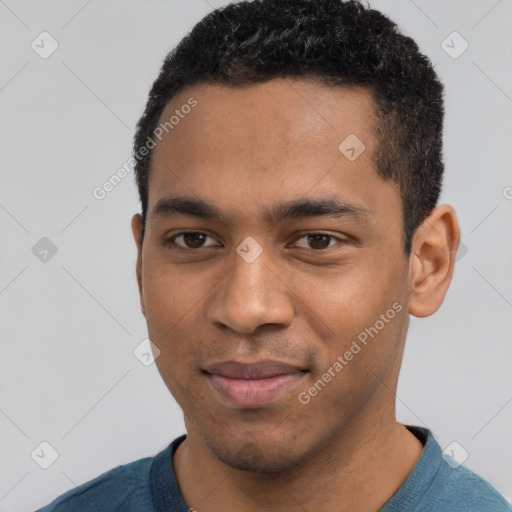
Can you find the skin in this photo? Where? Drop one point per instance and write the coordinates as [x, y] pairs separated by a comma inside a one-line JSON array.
[[301, 301]]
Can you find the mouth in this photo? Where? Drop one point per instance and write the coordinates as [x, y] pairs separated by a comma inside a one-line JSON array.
[[253, 385]]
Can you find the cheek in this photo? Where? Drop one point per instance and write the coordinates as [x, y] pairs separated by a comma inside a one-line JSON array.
[[358, 311], [169, 296], [345, 298], [175, 300], [357, 368], [169, 328]]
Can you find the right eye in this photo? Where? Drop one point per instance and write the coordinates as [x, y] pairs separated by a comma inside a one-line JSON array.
[[190, 240]]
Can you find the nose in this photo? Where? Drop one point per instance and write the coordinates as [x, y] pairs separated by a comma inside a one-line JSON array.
[[251, 295]]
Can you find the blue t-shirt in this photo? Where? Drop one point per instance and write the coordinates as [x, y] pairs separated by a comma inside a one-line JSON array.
[[149, 485]]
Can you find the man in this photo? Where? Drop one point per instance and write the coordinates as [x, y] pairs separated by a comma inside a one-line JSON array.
[[289, 167]]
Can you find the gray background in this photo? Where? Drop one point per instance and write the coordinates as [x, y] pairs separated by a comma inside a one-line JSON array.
[[68, 375]]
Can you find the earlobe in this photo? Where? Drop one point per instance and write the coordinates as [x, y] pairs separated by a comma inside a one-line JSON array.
[[432, 260], [137, 236]]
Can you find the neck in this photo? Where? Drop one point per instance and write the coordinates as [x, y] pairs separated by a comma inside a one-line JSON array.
[[360, 469]]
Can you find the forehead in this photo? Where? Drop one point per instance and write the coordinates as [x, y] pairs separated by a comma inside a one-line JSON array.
[[284, 138], [274, 115]]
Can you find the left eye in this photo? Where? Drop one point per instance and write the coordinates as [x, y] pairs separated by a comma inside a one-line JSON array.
[[319, 241]]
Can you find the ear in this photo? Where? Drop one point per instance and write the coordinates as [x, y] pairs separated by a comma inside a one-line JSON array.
[[137, 236], [432, 260]]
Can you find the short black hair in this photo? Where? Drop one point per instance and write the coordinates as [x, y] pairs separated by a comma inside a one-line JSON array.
[[337, 42]]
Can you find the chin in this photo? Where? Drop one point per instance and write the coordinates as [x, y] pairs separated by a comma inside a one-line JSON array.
[[270, 450], [255, 457]]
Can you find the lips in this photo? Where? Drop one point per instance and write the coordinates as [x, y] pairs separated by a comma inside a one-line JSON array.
[[259, 370], [254, 384]]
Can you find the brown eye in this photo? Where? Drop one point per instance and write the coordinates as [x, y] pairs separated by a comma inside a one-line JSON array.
[[318, 241], [190, 240]]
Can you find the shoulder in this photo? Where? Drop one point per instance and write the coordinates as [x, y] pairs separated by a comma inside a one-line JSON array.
[[439, 483], [460, 489], [124, 488]]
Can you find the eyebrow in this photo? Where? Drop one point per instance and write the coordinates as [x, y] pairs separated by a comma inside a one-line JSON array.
[[333, 207]]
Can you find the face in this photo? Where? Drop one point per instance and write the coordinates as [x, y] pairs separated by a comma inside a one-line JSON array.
[[272, 272]]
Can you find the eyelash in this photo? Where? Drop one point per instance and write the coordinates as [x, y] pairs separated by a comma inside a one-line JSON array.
[[171, 241]]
